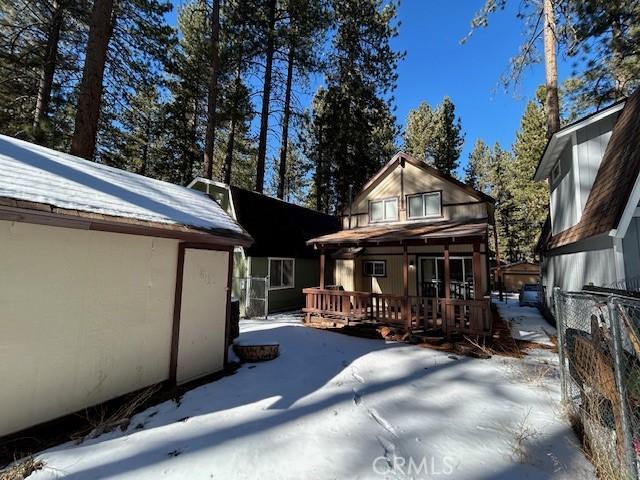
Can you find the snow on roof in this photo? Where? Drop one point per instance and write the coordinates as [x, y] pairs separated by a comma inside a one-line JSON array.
[[33, 173]]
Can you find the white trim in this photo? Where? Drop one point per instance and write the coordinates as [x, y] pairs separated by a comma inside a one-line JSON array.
[[424, 205], [629, 211], [618, 258], [293, 273], [384, 210], [373, 270], [557, 141], [575, 165]]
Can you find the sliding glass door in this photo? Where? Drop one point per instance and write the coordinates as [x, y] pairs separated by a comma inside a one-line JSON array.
[[431, 277]]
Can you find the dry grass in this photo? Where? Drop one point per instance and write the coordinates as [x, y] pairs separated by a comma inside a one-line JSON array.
[[100, 421], [521, 435], [21, 469]]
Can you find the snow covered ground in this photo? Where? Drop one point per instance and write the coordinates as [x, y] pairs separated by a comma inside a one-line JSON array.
[[527, 323], [338, 407]]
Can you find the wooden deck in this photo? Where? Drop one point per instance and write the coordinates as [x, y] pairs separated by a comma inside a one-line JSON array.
[[469, 317]]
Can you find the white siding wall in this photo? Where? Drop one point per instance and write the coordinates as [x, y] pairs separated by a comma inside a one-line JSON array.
[[571, 269], [564, 213], [591, 144], [631, 249]]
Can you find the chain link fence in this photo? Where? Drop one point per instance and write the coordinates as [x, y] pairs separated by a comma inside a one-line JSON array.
[[599, 346], [253, 295]]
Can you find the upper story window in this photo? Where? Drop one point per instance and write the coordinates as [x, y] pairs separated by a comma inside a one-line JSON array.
[[425, 205], [383, 210]]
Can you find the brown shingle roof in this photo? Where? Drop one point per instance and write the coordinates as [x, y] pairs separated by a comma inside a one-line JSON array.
[[404, 232], [614, 180]]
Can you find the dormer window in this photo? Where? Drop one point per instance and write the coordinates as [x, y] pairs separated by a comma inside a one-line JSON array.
[[425, 205], [385, 210]]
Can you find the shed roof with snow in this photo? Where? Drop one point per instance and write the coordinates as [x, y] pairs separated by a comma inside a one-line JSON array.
[[41, 185]]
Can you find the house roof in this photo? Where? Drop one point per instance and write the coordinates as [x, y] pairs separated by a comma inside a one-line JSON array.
[[401, 157], [280, 229], [614, 181], [39, 184], [403, 232], [559, 140]]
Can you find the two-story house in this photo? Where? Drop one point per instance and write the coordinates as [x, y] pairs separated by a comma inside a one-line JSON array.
[[413, 250], [592, 235]]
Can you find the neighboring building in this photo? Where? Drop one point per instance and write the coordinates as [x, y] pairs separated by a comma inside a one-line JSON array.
[[515, 275], [279, 257], [109, 282], [416, 240], [592, 235]]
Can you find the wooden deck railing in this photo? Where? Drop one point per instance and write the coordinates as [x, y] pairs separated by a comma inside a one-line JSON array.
[[472, 317]]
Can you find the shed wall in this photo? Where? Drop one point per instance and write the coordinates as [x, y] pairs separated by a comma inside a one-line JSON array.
[[86, 316]]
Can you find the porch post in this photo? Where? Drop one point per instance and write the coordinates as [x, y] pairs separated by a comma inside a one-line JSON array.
[[447, 275], [405, 285], [498, 267], [322, 269], [477, 275]]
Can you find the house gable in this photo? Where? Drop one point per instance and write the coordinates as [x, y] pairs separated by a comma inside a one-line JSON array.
[[405, 176]]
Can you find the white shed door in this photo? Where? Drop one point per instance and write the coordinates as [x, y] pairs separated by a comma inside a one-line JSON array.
[[201, 342]]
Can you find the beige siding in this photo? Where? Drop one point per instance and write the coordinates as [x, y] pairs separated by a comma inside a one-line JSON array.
[[349, 272], [201, 343], [343, 274], [416, 180], [85, 317]]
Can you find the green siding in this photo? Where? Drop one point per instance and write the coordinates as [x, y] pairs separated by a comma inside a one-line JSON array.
[[307, 272]]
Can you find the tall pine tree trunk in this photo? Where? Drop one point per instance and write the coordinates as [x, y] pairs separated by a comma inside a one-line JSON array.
[[552, 103], [285, 124], [228, 160], [83, 142], [213, 91], [266, 95], [48, 69]]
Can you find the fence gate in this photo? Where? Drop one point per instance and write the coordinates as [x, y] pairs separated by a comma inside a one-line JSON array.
[[599, 346], [254, 296]]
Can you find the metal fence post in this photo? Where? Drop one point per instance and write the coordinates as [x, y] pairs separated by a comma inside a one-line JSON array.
[[613, 303], [560, 323]]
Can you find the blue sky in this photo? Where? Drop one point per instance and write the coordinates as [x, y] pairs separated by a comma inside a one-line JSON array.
[[436, 65]]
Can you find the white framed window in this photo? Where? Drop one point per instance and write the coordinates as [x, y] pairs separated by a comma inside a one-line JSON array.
[[555, 173], [424, 205], [385, 210], [374, 268], [281, 273]]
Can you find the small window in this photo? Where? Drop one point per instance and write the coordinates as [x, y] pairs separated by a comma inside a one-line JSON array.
[[555, 173], [281, 273], [383, 210], [375, 268], [425, 205]]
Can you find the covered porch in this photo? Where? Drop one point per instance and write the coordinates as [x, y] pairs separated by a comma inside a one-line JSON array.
[[421, 277]]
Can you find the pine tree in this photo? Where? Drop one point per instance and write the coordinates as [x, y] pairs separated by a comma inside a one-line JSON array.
[[530, 198], [478, 170], [352, 122], [606, 45], [418, 132], [307, 23], [435, 135]]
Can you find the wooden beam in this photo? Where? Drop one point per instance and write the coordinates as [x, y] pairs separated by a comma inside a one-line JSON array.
[[405, 286], [498, 267], [447, 273], [177, 306], [322, 263], [477, 274]]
